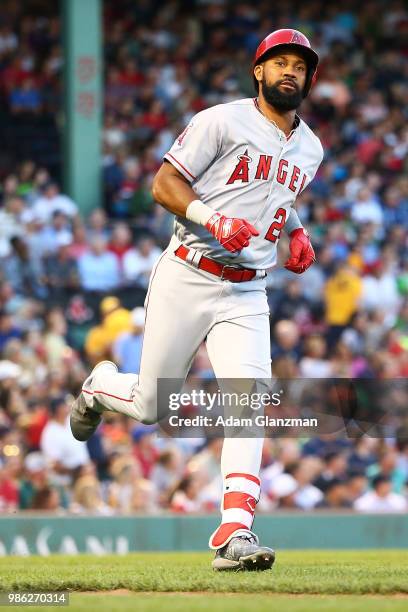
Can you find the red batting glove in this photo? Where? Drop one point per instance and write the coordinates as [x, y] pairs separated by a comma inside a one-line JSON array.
[[233, 234], [302, 254]]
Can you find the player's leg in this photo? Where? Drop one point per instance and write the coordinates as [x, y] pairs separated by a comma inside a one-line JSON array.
[[240, 349], [177, 320]]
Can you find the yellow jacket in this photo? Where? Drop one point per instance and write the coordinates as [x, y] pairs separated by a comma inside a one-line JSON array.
[[100, 338], [342, 294]]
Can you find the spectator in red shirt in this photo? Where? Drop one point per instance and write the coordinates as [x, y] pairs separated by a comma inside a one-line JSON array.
[[9, 492], [121, 241], [144, 449], [155, 117], [37, 420], [130, 75]]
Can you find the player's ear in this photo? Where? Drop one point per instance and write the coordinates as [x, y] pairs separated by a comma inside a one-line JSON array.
[[258, 72]]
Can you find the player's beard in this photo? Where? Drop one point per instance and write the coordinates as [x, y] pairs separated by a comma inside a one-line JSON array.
[[280, 100]]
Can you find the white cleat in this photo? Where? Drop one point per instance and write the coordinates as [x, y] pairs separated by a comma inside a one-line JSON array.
[[84, 420]]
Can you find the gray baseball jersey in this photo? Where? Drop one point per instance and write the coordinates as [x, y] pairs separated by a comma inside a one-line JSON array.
[[240, 164]]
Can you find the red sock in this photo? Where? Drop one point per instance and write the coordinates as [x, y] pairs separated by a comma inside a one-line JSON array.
[[241, 494]]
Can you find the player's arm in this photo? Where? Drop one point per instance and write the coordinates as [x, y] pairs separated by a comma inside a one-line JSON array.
[[174, 192], [302, 254]]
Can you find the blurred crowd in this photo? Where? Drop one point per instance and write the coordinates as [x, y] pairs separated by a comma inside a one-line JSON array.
[[72, 288], [128, 468]]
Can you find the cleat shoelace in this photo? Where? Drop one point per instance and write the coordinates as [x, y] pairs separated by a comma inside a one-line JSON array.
[[250, 537]]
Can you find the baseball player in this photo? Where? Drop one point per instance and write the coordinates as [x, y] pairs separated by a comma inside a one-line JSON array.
[[231, 179]]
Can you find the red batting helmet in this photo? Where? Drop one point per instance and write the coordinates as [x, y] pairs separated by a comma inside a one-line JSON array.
[[289, 38]]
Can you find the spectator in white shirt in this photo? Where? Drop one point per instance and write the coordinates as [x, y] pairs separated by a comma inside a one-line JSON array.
[[305, 472], [56, 233], [138, 263], [356, 180], [366, 209], [380, 291], [10, 223], [98, 268], [8, 40], [314, 364], [62, 451], [52, 200], [381, 498]]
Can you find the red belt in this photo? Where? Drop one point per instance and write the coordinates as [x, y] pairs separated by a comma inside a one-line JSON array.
[[230, 273]]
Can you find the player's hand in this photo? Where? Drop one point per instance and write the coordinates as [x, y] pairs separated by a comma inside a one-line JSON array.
[[302, 254], [233, 234]]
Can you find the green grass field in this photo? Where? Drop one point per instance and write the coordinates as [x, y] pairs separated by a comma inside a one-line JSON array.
[[300, 581]]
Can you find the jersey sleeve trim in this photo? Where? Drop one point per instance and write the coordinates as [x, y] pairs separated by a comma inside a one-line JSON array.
[[179, 166]]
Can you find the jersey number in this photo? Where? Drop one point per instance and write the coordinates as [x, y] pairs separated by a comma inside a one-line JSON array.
[[275, 229]]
